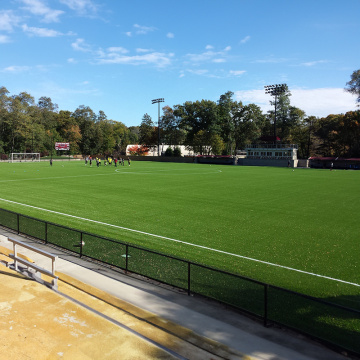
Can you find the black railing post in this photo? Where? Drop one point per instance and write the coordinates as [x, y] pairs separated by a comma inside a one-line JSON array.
[[126, 258], [81, 243], [189, 280], [46, 232], [266, 290]]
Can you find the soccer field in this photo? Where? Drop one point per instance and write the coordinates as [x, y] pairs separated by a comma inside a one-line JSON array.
[[296, 229]]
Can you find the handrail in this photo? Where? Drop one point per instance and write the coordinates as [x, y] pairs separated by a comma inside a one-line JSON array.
[[32, 265]]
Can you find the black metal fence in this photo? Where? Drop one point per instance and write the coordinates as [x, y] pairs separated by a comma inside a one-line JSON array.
[[333, 324]]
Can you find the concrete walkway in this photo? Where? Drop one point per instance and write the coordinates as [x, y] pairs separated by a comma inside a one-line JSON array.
[[228, 333]]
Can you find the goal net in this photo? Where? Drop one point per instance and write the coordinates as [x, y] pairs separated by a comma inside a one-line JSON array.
[[24, 157]]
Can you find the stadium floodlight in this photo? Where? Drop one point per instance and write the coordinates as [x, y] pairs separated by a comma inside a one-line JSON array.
[[24, 157], [158, 101], [275, 90]]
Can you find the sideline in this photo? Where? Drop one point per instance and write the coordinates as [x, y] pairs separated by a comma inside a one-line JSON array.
[[183, 242]]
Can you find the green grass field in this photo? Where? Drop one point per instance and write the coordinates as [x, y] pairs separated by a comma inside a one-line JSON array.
[[259, 222]]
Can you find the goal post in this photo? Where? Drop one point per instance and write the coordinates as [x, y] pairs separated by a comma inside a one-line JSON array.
[[24, 157]]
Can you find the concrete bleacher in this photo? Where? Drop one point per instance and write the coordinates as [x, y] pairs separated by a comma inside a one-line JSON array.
[[98, 313]]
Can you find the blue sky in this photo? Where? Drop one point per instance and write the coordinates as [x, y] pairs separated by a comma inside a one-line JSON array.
[[117, 56]]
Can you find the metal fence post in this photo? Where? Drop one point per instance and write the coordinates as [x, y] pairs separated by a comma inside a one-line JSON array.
[[81, 243], [266, 290], [46, 232], [126, 258], [18, 224], [189, 279]]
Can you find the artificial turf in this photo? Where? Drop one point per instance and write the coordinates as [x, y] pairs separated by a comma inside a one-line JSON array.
[[305, 219]]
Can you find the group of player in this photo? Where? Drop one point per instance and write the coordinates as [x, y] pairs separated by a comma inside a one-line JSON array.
[[108, 161]]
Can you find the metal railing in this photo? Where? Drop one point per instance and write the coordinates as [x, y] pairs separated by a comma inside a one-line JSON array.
[[332, 324], [28, 264]]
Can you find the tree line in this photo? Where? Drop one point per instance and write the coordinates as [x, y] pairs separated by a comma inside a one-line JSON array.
[[26, 126], [204, 126]]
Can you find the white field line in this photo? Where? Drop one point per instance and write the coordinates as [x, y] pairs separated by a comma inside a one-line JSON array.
[[55, 177], [183, 242], [116, 172]]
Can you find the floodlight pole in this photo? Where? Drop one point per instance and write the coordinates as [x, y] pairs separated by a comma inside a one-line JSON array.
[[275, 90], [158, 101]]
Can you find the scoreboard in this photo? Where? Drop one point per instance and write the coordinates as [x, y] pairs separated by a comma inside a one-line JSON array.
[[62, 146]]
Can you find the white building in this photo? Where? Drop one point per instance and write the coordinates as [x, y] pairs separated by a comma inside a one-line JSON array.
[[271, 155]]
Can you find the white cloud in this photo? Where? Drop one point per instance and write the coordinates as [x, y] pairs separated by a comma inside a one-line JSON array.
[[198, 71], [83, 7], [205, 56], [8, 20], [324, 101], [271, 60], [41, 32], [245, 39], [81, 45], [315, 102], [140, 50], [16, 69], [118, 49], [209, 55], [155, 58], [313, 63], [170, 35], [143, 30], [4, 39], [38, 7], [237, 72]]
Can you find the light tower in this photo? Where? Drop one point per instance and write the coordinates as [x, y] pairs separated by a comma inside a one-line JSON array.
[[275, 90], [158, 101]]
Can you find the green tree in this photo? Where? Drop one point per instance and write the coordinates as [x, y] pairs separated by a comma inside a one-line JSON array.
[[107, 131], [295, 120], [4, 110], [217, 144], [353, 86], [122, 137], [147, 131], [91, 135], [199, 120], [171, 133], [69, 130], [248, 124], [226, 111], [47, 113], [327, 132], [349, 134], [19, 122]]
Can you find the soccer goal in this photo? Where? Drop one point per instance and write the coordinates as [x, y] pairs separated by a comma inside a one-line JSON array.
[[24, 157]]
